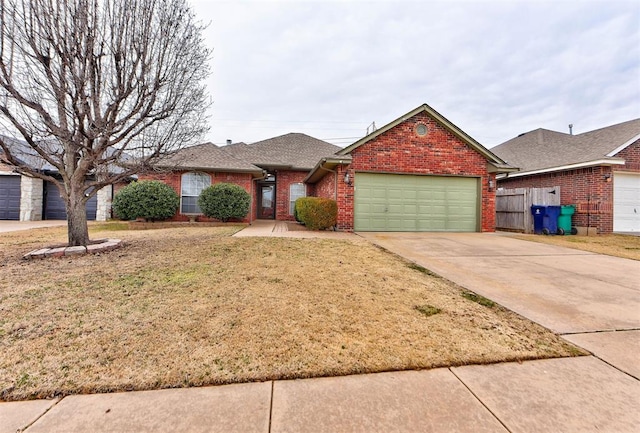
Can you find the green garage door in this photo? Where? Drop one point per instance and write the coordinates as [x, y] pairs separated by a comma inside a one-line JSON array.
[[396, 202]]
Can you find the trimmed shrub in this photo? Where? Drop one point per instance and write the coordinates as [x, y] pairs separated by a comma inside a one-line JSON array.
[[300, 206], [149, 199], [224, 201], [316, 213]]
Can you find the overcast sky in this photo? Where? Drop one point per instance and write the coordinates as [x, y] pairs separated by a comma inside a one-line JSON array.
[[493, 68]]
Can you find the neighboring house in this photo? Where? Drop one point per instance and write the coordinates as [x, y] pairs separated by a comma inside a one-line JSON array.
[[418, 173], [598, 171], [26, 198]]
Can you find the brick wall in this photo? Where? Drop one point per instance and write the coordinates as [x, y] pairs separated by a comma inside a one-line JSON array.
[[173, 179], [284, 179], [326, 187], [401, 150], [587, 188], [631, 157]]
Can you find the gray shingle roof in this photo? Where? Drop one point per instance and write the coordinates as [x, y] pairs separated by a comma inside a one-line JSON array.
[[208, 156], [543, 149], [293, 150]]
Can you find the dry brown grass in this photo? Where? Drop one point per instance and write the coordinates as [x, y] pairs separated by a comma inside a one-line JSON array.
[[193, 306], [624, 246]]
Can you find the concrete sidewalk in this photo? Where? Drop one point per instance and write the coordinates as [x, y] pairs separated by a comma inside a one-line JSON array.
[[284, 229], [569, 395]]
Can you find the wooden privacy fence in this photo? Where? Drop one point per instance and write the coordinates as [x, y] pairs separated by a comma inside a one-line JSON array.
[[513, 206]]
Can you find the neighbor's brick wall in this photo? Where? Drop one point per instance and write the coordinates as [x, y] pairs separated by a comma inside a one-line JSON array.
[[586, 188], [173, 179], [401, 150], [631, 157], [284, 179]]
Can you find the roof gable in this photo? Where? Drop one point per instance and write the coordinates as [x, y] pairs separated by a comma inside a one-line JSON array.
[[464, 137], [546, 150]]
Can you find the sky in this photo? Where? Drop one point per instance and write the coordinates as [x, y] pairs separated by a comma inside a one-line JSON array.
[[495, 69]]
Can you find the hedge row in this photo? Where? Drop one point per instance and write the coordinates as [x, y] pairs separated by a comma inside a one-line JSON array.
[[154, 200], [316, 213]]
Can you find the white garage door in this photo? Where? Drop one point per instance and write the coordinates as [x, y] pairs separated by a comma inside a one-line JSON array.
[[626, 202]]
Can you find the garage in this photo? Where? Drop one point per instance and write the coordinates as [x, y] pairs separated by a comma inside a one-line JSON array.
[[9, 197], [402, 202], [54, 207], [626, 202]]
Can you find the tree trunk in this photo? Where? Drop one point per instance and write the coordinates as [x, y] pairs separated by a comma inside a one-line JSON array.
[[77, 222]]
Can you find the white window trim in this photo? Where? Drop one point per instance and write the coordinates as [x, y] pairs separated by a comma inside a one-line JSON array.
[[183, 195], [292, 201]]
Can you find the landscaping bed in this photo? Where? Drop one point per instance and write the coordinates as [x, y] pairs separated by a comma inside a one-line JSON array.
[[193, 306]]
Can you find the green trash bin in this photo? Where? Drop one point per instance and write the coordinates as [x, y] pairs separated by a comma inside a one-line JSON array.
[[564, 220]]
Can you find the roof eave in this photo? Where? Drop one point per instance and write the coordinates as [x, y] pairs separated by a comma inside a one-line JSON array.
[[598, 162], [623, 146], [490, 156], [257, 170], [500, 168], [324, 166]]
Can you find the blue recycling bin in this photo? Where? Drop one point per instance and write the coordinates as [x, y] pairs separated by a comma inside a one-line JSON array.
[[550, 221], [538, 213]]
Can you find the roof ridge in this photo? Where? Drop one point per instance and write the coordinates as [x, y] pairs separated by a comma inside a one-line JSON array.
[[616, 125]]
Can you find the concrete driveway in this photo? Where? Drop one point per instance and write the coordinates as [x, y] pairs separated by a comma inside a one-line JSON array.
[[14, 226], [593, 300]]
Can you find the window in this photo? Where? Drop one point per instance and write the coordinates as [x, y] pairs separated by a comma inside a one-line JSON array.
[[192, 186], [296, 190]]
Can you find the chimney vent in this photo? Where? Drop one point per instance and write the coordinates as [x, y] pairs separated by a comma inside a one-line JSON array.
[[228, 141], [571, 129]]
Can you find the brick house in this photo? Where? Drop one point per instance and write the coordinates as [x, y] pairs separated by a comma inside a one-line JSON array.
[[271, 171], [598, 171], [420, 172]]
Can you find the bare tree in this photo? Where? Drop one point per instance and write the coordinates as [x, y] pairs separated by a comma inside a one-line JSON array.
[[99, 90]]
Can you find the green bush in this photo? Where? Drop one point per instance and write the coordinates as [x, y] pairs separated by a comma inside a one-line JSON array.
[[224, 201], [148, 199], [300, 204], [316, 213]]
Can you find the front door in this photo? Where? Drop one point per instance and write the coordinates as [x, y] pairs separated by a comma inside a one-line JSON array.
[[267, 201]]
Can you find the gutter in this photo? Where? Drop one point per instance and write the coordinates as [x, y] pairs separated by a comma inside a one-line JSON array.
[[595, 163], [325, 162]]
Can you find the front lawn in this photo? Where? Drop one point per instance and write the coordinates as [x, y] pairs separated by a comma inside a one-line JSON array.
[[193, 306]]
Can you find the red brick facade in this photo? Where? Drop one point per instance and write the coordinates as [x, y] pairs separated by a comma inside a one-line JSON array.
[[401, 150], [590, 189], [173, 179], [284, 179]]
